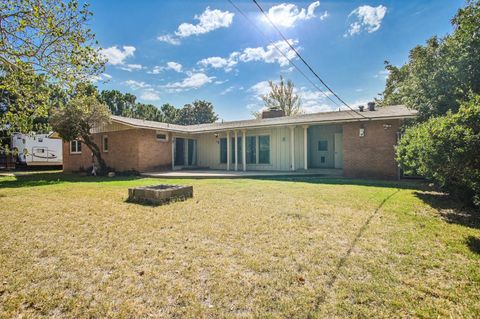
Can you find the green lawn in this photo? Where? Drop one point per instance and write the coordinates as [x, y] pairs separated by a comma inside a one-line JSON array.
[[72, 247]]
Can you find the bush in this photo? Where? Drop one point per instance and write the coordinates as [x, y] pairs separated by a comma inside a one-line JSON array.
[[447, 150]]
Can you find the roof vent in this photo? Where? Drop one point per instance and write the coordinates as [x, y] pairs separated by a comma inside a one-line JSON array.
[[360, 107], [272, 112], [371, 106]]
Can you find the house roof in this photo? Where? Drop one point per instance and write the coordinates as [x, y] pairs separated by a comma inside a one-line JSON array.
[[388, 112]]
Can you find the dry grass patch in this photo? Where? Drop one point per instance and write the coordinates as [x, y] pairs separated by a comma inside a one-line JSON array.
[[72, 247]]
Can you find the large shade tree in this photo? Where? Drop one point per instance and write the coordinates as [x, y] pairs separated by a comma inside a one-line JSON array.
[[44, 44], [442, 74]]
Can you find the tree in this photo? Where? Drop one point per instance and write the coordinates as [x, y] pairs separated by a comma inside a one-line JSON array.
[[77, 119], [442, 74], [43, 45], [170, 113], [199, 112], [447, 150], [124, 104], [282, 96], [50, 36]]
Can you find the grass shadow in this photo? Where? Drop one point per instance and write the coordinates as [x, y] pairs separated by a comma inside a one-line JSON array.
[[450, 210], [473, 244], [403, 184], [48, 179]]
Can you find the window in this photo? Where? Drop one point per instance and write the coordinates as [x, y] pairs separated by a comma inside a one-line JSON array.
[[105, 143], [223, 150], [323, 145], [251, 149], [75, 147], [162, 137], [40, 139], [239, 149], [322, 159], [264, 149]]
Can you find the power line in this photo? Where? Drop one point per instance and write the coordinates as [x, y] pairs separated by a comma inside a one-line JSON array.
[[303, 60], [282, 53]]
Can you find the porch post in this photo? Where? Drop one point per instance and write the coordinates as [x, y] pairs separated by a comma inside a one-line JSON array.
[[228, 150], [236, 151], [305, 147], [244, 150], [292, 146], [173, 153]]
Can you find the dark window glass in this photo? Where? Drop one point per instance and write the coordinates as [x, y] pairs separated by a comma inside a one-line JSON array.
[[223, 150], [264, 149], [323, 145], [251, 149], [79, 146], [162, 137], [322, 159], [105, 144]]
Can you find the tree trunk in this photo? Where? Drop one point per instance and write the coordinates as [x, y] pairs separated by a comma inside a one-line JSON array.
[[96, 153]]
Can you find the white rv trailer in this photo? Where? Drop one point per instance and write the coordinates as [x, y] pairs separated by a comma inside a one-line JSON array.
[[37, 149]]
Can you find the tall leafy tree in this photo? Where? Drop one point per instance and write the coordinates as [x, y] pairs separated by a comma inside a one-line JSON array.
[[199, 112], [170, 113], [442, 74], [43, 44], [282, 96]]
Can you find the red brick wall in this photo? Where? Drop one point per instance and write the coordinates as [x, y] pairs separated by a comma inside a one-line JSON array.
[[371, 156], [133, 149]]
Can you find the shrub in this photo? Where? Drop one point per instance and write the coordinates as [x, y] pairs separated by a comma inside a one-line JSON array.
[[447, 150]]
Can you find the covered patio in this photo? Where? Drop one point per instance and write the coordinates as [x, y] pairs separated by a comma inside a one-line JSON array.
[[211, 173]]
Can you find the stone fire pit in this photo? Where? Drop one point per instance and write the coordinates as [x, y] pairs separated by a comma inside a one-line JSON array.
[[159, 194]]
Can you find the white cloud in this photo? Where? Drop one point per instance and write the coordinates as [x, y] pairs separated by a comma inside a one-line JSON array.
[[270, 54], [177, 67], [193, 81], [208, 21], [131, 67], [324, 15], [259, 89], [150, 95], [221, 63], [287, 14], [135, 85], [167, 38], [116, 56], [227, 90], [367, 18]]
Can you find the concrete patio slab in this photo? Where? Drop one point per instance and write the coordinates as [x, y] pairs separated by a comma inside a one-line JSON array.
[[200, 174]]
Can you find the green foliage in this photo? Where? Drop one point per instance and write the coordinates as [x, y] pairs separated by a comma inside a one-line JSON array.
[[51, 36], [77, 119], [125, 105], [447, 150], [283, 97], [199, 112], [441, 74]]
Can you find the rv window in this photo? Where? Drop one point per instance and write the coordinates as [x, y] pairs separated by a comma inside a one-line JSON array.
[[105, 143], [40, 140]]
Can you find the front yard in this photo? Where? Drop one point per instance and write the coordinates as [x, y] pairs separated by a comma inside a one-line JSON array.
[[72, 247]]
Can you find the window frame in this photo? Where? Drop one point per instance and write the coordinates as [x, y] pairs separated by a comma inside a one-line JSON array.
[[157, 133], [78, 150], [105, 150]]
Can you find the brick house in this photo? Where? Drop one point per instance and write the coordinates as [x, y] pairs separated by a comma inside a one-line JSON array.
[[360, 144]]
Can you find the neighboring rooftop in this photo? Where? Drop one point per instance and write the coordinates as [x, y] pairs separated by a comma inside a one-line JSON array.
[[387, 112]]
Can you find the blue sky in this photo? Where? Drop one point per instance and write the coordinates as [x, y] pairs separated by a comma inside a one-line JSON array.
[[178, 51]]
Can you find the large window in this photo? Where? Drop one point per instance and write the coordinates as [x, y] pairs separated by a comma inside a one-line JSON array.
[[223, 150], [75, 147], [251, 149], [264, 149], [239, 149]]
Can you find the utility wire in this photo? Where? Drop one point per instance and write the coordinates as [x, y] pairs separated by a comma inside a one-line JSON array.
[[303, 60], [282, 53]]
